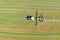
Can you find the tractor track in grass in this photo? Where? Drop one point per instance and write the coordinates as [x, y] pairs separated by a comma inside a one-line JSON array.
[[52, 20]]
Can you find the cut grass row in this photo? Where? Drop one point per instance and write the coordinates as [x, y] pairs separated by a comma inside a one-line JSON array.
[[41, 5], [25, 35]]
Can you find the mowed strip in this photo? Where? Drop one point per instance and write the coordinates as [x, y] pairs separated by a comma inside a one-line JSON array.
[[26, 35], [42, 28], [18, 38], [52, 20]]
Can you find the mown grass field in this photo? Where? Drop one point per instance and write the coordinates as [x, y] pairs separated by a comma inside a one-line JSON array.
[[14, 26]]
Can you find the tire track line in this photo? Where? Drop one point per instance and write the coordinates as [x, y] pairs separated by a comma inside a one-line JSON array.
[[52, 20]]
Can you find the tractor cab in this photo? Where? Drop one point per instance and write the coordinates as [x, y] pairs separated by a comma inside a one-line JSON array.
[[30, 18]]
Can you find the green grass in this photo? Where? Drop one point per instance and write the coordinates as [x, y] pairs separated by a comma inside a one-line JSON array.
[[17, 17], [14, 19], [26, 35]]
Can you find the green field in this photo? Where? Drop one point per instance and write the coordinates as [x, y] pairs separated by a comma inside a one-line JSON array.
[[14, 12]]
